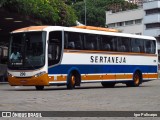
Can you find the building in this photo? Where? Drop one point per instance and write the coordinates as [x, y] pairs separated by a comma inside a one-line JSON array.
[[138, 2], [152, 20], [130, 21], [144, 20]]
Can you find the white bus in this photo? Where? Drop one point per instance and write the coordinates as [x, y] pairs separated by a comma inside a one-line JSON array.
[[55, 55]]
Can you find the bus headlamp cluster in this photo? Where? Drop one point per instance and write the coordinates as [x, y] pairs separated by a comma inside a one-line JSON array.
[[39, 74], [10, 75]]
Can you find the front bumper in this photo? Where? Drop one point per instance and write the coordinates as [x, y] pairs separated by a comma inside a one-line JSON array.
[[29, 81]]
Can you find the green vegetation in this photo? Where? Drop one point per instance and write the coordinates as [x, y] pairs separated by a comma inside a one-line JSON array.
[[53, 12], [66, 12], [95, 12]]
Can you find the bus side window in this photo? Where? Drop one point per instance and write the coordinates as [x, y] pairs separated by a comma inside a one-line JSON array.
[[71, 45], [122, 48], [107, 47], [147, 46], [123, 44], [137, 45], [107, 43], [73, 40], [153, 47], [135, 49], [114, 44], [150, 46], [91, 46]]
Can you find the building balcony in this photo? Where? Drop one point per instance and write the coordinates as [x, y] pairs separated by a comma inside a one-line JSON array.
[[155, 32], [151, 4], [153, 18]]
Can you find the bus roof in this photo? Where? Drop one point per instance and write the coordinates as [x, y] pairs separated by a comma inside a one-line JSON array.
[[84, 29], [97, 28], [31, 28]]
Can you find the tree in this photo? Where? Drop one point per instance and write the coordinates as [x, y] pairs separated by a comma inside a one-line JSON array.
[[95, 12], [53, 12], [2, 3]]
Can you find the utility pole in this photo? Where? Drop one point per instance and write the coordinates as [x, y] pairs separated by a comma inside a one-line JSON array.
[[85, 10]]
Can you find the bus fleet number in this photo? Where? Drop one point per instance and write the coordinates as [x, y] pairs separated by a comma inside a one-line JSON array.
[[22, 74]]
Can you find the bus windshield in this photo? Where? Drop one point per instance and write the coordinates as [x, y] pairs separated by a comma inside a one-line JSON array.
[[27, 50]]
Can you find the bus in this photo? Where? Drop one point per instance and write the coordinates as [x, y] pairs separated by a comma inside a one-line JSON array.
[[56, 55], [3, 63]]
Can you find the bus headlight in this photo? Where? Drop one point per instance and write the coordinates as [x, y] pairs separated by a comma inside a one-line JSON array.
[[39, 74], [9, 75]]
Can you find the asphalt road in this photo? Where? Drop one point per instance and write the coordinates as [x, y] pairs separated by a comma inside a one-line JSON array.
[[88, 97]]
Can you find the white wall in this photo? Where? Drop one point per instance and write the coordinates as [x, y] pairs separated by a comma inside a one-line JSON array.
[[151, 4], [126, 16]]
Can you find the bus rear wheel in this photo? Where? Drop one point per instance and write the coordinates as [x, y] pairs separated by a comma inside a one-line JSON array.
[[71, 81], [108, 85], [136, 80], [39, 87]]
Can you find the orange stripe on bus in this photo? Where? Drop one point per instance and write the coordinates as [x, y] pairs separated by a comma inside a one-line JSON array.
[[91, 77], [152, 75], [124, 76], [57, 78], [51, 78], [106, 77], [40, 28], [97, 28], [145, 75], [128, 76], [107, 52], [102, 77], [109, 77], [120, 76], [61, 78]]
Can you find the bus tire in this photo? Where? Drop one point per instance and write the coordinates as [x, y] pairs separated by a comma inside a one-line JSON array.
[[108, 85], [137, 79], [71, 81], [39, 87]]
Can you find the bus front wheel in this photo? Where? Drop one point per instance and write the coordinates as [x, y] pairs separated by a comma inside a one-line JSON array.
[[39, 87], [71, 81]]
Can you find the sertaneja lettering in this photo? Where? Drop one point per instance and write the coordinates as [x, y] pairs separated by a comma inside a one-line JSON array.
[[104, 59]]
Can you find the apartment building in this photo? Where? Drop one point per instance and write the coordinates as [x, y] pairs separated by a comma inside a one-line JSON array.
[[130, 21], [152, 19], [144, 20]]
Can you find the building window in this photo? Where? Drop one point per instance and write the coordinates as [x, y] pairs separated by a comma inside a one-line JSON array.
[[152, 11], [111, 25], [153, 25], [129, 22], [138, 21], [120, 24], [138, 33]]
